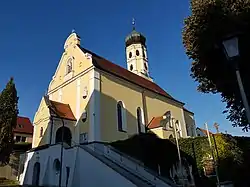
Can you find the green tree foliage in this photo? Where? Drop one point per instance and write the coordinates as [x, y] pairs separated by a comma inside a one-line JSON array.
[[8, 120], [209, 23], [233, 155], [230, 156]]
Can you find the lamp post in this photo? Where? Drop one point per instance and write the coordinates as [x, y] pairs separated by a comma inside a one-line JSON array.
[[231, 49]]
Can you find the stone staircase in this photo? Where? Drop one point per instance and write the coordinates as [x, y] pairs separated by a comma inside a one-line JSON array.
[[126, 166]]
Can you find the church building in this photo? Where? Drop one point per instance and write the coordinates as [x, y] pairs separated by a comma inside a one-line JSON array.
[[91, 101], [98, 100]]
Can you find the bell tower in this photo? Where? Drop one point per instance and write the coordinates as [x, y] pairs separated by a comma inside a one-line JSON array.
[[136, 53]]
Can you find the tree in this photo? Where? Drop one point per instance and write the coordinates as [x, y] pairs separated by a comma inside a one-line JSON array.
[[209, 23], [8, 120]]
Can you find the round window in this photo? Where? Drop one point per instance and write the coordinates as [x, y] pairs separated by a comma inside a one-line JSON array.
[[57, 165], [137, 53], [131, 67], [130, 54]]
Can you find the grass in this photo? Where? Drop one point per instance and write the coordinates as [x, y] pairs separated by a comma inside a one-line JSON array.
[[7, 182]]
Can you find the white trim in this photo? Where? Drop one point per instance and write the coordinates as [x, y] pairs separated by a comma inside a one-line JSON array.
[[78, 95], [60, 95], [61, 61], [34, 135], [94, 108], [180, 128], [142, 126], [71, 80], [184, 132], [143, 121]]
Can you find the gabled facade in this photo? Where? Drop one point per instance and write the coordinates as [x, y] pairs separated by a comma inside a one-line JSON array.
[[107, 102]]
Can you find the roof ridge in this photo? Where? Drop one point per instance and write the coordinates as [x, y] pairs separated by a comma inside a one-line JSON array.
[[123, 73]]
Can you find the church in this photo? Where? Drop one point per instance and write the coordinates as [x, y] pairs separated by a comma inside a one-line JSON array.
[[91, 101]]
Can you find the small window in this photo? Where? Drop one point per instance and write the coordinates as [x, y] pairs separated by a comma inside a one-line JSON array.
[[23, 139], [41, 132], [56, 165], [139, 120], [20, 126], [121, 117], [84, 116], [137, 53], [69, 66], [130, 54], [18, 138], [131, 67]]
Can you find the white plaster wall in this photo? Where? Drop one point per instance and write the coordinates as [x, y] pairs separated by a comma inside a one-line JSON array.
[[95, 173], [85, 170]]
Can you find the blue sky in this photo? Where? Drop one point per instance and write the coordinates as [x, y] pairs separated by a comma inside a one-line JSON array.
[[33, 33]]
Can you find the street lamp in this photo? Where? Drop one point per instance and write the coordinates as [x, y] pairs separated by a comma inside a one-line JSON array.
[[231, 48]]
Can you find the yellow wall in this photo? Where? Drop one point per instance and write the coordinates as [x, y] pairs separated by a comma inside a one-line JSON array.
[[113, 90], [41, 119], [157, 105]]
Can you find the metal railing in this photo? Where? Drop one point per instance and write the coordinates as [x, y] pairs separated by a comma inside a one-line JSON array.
[[129, 163], [114, 160], [125, 161]]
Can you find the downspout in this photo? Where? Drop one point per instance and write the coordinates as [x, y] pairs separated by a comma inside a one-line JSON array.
[[145, 111]]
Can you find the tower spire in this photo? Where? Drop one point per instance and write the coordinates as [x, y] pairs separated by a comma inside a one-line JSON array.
[[133, 23]]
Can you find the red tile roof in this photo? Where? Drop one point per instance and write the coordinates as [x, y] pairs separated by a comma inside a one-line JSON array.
[[188, 111], [205, 131], [155, 122], [62, 110], [23, 125], [123, 73]]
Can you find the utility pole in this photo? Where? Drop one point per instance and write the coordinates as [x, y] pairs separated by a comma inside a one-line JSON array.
[[215, 165], [61, 155], [178, 148]]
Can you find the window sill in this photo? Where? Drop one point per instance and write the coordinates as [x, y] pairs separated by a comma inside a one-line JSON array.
[[68, 76], [122, 131]]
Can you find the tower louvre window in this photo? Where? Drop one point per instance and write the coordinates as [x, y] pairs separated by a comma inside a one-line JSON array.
[[130, 54], [131, 67], [137, 53]]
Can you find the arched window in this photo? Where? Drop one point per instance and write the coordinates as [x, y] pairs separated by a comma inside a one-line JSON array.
[[41, 131], [131, 67], [137, 53], [36, 174], [67, 137], [69, 66], [139, 120], [130, 54], [121, 116]]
